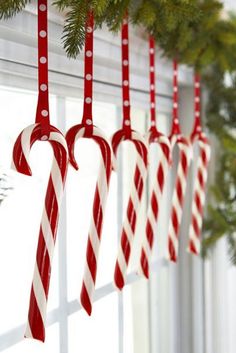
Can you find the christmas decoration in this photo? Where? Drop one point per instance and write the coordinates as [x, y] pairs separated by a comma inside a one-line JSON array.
[[87, 130], [43, 131], [198, 33], [185, 150], [198, 136], [126, 133], [154, 136]]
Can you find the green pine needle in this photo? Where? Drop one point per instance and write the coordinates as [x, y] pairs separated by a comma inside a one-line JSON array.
[[9, 8]]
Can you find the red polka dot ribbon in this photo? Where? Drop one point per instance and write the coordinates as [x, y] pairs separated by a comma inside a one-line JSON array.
[[42, 113], [88, 71], [152, 81], [175, 123], [197, 105], [125, 73]]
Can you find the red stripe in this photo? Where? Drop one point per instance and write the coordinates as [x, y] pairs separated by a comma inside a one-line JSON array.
[[85, 301], [175, 221], [43, 262], [35, 319], [179, 191], [204, 156], [192, 247], [160, 177], [51, 207], [138, 182], [125, 246], [118, 277], [198, 203], [200, 178], [144, 264], [154, 205], [172, 252], [195, 225], [97, 213], [91, 260], [184, 162], [131, 215], [149, 233]]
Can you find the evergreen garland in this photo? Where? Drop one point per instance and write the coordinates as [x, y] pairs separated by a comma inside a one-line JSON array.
[[221, 120], [197, 33]]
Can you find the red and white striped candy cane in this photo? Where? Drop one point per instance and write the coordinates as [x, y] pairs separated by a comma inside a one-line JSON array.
[[48, 227], [203, 159], [154, 136], [185, 157], [88, 130], [126, 133], [42, 130]]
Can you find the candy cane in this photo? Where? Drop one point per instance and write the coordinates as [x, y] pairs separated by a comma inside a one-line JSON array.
[[154, 136], [182, 173], [203, 159], [88, 130], [126, 133], [42, 130]]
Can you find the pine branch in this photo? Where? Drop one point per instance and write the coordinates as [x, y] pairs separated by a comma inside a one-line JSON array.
[[74, 29], [9, 8]]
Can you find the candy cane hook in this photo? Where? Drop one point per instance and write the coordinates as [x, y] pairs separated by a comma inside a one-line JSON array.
[[182, 173], [126, 133], [154, 136], [88, 130], [42, 130], [203, 159]]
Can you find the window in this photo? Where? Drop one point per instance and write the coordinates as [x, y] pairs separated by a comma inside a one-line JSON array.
[[113, 313], [163, 315]]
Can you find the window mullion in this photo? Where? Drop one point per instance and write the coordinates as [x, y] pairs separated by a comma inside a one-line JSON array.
[[62, 248]]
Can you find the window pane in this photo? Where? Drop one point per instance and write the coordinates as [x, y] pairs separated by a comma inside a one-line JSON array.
[[20, 212], [231, 275], [136, 318], [98, 333]]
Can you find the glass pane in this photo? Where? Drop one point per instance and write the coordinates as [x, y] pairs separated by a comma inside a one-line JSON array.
[[231, 306], [160, 309], [20, 212], [136, 318], [98, 333]]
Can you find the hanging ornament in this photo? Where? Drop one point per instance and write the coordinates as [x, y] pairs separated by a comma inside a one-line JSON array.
[[185, 157], [42, 130], [203, 159], [87, 130], [126, 133], [154, 136]]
